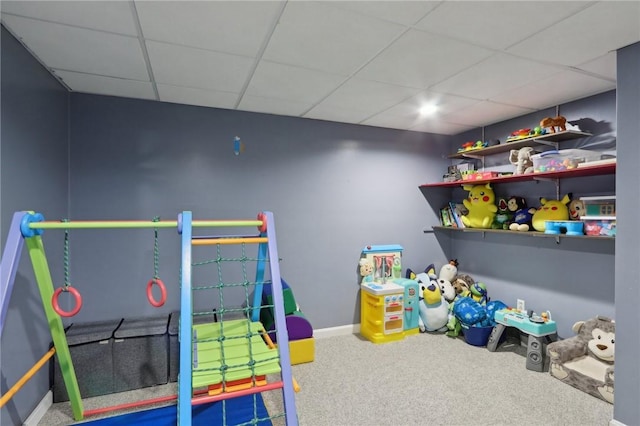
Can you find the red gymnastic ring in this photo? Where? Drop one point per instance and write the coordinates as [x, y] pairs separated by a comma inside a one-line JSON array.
[[262, 228], [163, 292], [56, 305]]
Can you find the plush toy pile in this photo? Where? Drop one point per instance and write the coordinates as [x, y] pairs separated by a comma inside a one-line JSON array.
[[451, 300]]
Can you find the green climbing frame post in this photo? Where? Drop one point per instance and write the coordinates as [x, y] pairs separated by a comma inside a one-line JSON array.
[[45, 285]]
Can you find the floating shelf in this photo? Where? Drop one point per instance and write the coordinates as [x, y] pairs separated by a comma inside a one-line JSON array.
[[548, 139], [597, 170], [526, 234]]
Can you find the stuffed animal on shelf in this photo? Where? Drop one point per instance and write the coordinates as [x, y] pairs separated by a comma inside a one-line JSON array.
[[550, 210], [503, 216], [552, 122], [521, 158], [481, 206], [576, 209], [522, 215]]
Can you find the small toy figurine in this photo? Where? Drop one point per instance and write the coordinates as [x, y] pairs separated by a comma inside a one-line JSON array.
[[552, 122]]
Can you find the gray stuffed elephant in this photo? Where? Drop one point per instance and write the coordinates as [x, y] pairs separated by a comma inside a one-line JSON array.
[[521, 158]]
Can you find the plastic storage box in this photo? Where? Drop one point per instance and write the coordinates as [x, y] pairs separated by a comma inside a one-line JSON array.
[[599, 225], [565, 159], [90, 346], [140, 355]]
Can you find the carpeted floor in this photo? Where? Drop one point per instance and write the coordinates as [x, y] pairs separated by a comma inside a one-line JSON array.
[[431, 379], [426, 379]]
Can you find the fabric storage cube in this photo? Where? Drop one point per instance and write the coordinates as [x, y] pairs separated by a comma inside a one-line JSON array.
[[90, 346], [140, 356]]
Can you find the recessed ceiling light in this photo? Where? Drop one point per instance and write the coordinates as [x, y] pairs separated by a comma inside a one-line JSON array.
[[428, 109]]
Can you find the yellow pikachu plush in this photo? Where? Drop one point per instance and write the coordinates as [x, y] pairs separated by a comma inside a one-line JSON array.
[[551, 210], [481, 203]]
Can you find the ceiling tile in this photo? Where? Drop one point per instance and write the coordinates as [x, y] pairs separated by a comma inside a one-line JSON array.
[[200, 97], [340, 114], [495, 24], [113, 16], [286, 82], [589, 34], [368, 97], [190, 67], [604, 66], [418, 59], [237, 27], [100, 85], [273, 106], [314, 35], [485, 113], [560, 88], [494, 75], [442, 127], [408, 14], [75, 49], [385, 119]]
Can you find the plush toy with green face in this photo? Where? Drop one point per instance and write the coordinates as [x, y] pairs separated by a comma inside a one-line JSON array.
[[481, 204], [551, 210]]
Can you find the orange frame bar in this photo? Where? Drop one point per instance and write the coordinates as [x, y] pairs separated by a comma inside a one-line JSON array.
[[213, 241]]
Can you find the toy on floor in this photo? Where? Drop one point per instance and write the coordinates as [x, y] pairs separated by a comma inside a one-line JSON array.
[[461, 284], [550, 210], [479, 293], [552, 123], [434, 309], [429, 276], [481, 206], [586, 361]]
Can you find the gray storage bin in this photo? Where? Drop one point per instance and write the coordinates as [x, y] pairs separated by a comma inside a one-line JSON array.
[[140, 353], [90, 346]]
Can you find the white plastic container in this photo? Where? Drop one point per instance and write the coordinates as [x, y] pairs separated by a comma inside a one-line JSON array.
[[565, 159]]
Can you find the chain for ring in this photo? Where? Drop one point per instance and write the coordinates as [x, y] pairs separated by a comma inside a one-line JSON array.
[[156, 251], [65, 261]]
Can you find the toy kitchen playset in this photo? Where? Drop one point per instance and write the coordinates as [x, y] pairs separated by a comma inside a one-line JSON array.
[[388, 303]]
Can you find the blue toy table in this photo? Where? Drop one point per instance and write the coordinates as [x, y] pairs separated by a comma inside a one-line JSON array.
[[535, 327]]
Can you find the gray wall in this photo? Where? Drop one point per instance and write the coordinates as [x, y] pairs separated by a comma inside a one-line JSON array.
[[33, 173], [333, 188], [627, 261]]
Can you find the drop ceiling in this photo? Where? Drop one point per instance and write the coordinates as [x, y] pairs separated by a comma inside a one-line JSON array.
[[372, 63]]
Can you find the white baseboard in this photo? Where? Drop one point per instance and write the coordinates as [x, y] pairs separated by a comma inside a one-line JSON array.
[[41, 409], [614, 422], [336, 331]]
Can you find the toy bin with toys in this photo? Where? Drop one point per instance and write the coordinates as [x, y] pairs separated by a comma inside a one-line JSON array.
[[564, 159]]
